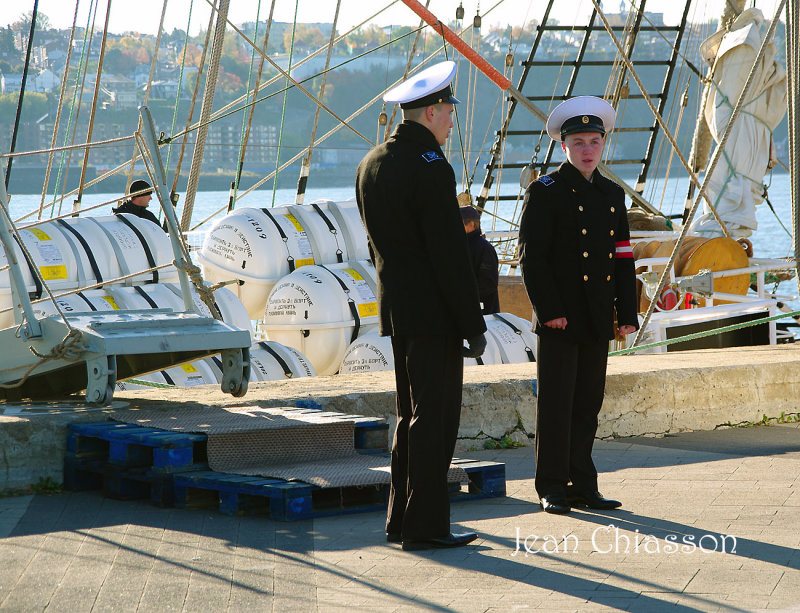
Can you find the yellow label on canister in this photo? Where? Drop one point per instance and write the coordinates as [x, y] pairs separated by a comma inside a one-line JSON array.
[[52, 273], [112, 302], [295, 223], [354, 274], [368, 309], [188, 368], [42, 236], [304, 262]]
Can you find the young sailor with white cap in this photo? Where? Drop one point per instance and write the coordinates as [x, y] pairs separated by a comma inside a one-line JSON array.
[[427, 301], [578, 269]]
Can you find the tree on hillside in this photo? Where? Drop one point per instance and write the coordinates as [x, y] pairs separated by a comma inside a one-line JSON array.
[[306, 38], [118, 61], [7, 41], [366, 38], [23, 23]]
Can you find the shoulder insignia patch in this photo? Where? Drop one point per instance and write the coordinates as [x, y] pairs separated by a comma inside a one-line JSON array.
[[431, 156], [545, 180]]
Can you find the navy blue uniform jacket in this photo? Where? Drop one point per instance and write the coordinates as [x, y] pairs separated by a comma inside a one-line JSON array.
[[406, 193], [575, 254]]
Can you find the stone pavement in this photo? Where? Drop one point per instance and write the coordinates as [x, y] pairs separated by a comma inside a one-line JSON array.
[[710, 523]]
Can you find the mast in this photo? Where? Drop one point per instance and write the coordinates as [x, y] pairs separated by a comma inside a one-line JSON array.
[[793, 123]]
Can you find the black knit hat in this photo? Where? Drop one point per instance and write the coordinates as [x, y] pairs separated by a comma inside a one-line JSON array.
[[138, 186]]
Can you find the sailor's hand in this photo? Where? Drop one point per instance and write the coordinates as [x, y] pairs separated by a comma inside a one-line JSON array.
[[476, 346], [625, 330], [559, 323]]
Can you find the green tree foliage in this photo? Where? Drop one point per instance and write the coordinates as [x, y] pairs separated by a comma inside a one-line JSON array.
[[7, 41], [306, 38], [367, 38], [35, 105]]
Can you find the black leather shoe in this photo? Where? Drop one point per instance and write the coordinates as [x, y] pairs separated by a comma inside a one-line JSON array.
[[451, 540], [554, 503], [593, 500], [394, 537]]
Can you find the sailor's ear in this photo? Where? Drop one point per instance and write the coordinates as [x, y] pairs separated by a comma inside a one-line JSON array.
[[563, 146]]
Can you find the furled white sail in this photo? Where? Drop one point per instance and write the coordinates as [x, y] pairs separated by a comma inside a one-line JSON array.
[[736, 185]]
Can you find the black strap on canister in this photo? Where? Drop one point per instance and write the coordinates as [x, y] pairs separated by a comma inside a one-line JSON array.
[[86, 300], [146, 296], [87, 250], [351, 303], [283, 364], [284, 238], [151, 262], [331, 229], [32, 269], [167, 378], [528, 350]]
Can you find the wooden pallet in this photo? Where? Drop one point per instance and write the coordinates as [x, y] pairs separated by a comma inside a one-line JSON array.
[[290, 500], [133, 462]]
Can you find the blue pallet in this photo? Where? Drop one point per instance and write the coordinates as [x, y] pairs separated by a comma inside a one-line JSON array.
[[129, 445], [291, 500], [276, 498]]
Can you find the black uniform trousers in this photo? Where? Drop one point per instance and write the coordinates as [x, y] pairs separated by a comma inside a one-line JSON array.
[[571, 383], [428, 373]]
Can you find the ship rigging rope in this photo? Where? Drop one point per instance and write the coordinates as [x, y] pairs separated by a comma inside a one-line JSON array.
[[180, 81], [75, 105], [705, 333], [289, 78], [59, 107], [247, 121], [18, 114], [229, 109], [193, 104], [148, 87], [667, 134], [710, 169], [410, 59], [184, 262], [691, 66], [232, 111], [205, 110], [325, 136], [93, 107], [285, 98], [306, 164]]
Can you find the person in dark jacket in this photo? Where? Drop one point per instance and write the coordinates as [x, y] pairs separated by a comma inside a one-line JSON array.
[[484, 260], [578, 269], [137, 205], [427, 301]]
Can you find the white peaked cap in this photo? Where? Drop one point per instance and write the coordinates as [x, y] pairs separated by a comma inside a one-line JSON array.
[[433, 82], [581, 114]]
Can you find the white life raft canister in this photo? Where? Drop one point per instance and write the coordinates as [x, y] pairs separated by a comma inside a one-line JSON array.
[[513, 336], [368, 353], [258, 246], [75, 252], [320, 310]]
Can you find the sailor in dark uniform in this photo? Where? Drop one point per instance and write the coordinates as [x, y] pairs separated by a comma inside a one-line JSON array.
[[484, 260], [427, 300], [137, 205], [578, 269]]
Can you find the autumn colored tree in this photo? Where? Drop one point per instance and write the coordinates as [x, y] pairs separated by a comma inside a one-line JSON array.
[[306, 38]]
